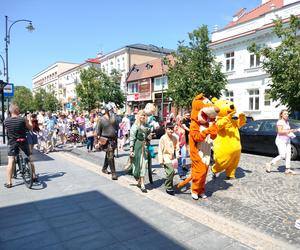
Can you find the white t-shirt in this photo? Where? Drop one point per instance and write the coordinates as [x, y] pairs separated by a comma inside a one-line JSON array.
[[286, 126]]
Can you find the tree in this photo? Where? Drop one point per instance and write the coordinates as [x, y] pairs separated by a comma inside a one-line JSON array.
[[23, 98], [88, 90], [44, 100], [283, 63], [97, 87], [195, 70]]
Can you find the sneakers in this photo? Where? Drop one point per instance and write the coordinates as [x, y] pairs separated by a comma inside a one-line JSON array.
[[113, 176], [170, 191], [289, 171], [196, 197], [297, 224], [182, 177], [203, 196], [268, 167]]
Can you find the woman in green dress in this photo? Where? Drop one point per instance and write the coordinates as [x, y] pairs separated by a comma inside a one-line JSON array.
[[139, 138]]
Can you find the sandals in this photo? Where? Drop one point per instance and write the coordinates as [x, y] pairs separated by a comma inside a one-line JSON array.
[[8, 185]]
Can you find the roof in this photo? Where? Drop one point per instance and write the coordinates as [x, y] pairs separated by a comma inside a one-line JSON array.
[[93, 60], [258, 11], [140, 46], [149, 69]]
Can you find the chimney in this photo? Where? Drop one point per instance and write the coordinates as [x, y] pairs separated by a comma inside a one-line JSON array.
[[239, 14]]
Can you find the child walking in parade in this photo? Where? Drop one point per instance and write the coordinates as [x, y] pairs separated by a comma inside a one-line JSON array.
[[168, 155]]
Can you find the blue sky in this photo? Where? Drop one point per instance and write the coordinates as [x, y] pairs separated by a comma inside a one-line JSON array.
[[73, 31]]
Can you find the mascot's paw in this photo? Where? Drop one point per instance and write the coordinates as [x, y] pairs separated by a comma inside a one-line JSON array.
[[195, 196], [212, 130]]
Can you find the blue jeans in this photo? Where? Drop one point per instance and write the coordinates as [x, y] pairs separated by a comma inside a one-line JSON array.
[[90, 143], [182, 160]]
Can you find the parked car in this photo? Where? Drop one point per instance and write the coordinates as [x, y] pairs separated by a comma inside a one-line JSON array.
[[259, 137], [248, 118], [158, 132]]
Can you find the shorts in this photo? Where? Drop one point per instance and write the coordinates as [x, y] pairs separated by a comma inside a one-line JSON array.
[[13, 149], [81, 131], [32, 138]]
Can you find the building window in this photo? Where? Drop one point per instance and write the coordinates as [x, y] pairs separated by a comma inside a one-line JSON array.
[[253, 99], [160, 83], [254, 60], [267, 98], [229, 95], [229, 61], [132, 87]]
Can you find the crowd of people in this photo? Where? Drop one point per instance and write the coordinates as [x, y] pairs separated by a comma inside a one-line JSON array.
[[107, 132]]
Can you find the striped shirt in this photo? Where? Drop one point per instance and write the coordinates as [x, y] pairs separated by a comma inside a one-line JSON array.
[[16, 128]]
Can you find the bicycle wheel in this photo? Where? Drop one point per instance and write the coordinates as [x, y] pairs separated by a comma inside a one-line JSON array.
[[27, 172]]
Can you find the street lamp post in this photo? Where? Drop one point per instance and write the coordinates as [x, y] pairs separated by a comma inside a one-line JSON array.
[[163, 77], [30, 28]]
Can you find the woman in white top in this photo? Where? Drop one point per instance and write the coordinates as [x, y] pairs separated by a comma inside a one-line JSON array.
[[283, 143]]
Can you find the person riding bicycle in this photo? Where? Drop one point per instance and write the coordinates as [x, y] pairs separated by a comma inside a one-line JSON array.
[[16, 127]]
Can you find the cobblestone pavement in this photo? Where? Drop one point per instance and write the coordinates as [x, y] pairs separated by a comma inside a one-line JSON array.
[[265, 202]]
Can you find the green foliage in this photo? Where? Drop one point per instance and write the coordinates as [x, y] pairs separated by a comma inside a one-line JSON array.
[[44, 100], [195, 70], [97, 87], [283, 63], [23, 98]]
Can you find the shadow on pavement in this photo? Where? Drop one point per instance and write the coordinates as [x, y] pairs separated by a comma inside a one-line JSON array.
[[89, 220], [216, 185], [44, 178]]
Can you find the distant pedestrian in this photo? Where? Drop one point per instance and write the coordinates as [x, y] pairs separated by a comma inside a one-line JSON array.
[[180, 133], [283, 143], [186, 122], [90, 133], [168, 155]]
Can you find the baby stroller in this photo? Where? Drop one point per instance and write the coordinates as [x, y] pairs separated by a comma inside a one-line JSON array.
[[73, 136]]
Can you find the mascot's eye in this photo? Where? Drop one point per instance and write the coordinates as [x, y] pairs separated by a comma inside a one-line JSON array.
[[206, 101]]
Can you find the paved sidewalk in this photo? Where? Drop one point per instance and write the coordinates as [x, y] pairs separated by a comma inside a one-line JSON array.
[[74, 208], [266, 203]]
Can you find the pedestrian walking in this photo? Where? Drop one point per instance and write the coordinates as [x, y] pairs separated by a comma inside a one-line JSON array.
[[186, 122], [139, 137], [63, 129], [180, 133], [168, 155], [90, 133], [32, 135], [51, 124], [107, 136], [283, 143]]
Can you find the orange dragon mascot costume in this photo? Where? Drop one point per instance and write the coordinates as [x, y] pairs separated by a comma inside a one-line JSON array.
[[202, 132]]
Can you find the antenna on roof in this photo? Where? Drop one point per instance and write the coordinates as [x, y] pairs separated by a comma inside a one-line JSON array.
[[216, 27]]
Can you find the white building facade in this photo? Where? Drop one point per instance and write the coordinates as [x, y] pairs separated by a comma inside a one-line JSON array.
[[247, 82]]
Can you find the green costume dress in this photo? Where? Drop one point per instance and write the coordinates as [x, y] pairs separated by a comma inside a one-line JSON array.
[[139, 142]]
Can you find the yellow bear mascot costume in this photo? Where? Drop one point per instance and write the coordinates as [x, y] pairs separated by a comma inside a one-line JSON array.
[[227, 145], [201, 134]]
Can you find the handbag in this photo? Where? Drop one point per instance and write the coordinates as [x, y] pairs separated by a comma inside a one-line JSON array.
[[103, 140]]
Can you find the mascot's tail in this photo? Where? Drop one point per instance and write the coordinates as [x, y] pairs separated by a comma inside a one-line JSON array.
[[183, 183]]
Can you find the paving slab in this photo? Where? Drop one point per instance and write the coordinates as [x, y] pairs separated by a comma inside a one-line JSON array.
[[73, 207]]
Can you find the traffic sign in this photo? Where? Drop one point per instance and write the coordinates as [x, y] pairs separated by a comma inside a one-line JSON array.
[[9, 90]]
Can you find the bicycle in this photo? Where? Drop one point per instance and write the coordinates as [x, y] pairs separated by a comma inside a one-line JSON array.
[[24, 167]]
